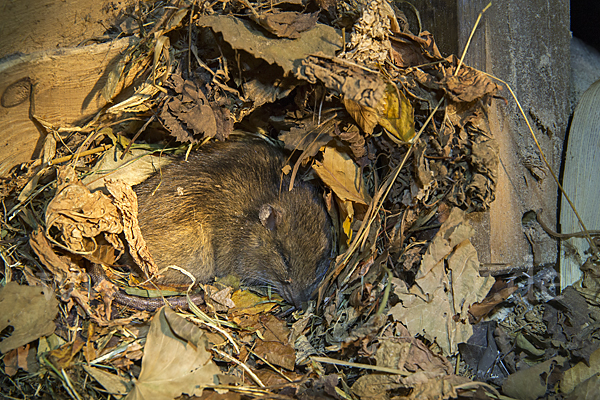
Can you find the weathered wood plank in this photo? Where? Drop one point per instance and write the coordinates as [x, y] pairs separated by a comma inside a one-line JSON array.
[[527, 45], [67, 90]]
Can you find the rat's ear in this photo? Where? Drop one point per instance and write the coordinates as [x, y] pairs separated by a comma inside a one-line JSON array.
[[269, 216]]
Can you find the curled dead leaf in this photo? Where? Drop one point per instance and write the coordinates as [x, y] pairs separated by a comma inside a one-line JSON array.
[[79, 216], [342, 175]]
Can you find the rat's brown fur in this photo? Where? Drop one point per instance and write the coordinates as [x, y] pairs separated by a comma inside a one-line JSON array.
[[227, 211]]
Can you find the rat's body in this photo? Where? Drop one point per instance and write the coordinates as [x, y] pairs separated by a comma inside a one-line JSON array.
[[227, 211]]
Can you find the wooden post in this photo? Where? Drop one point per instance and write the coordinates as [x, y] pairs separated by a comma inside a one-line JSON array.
[[525, 43]]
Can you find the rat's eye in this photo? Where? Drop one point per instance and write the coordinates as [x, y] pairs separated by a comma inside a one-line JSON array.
[[286, 262]]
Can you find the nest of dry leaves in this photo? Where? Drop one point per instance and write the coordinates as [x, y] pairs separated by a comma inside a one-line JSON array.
[[398, 137]]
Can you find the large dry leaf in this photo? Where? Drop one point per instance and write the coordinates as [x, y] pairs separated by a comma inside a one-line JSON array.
[[366, 117], [190, 116], [133, 168], [172, 366], [114, 384], [580, 372], [276, 353], [447, 284], [394, 112], [248, 303], [39, 244], [357, 84], [342, 175], [287, 53], [29, 310], [125, 200], [80, 216], [410, 50], [531, 383], [286, 24]]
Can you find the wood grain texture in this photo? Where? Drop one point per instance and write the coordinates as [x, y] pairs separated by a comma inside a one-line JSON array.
[[36, 25], [581, 181], [67, 86], [527, 45]]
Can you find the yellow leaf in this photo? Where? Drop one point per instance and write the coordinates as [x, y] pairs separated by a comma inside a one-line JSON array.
[[366, 117], [342, 175], [346, 208], [249, 303], [396, 114]]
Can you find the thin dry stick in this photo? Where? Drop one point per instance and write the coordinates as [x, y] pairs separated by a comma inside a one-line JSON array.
[[69, 386], [82, 154], [471, 37], [476, 385], [387, 186], [241, 364], [587, 233], [333, 361], [271, 365]]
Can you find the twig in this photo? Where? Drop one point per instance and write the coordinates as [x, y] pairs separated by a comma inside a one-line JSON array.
[[471, 37], [241, 364], [271, 365], [537, 144], [557, 235], [386, 293], [82, 154], [67, 384], [333, 361]]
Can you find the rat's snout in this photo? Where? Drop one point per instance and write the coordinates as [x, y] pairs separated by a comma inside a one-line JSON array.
[[295, 294]]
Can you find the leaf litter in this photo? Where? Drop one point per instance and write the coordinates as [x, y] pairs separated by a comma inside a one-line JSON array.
[[406, 294]]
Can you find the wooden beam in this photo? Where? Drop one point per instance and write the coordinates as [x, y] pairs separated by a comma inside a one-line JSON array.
[[527, 45]]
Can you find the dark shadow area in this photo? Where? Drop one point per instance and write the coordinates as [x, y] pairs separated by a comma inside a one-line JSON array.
[[585, 21]]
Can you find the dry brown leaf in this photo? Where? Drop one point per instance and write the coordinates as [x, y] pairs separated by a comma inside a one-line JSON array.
[[63, 357], [580, 372], [450, 262], [342, 175], [274, 329], [171, 366], [249, 303], [125, 200], [242, 35], [29, 310], [531, 383], [409, 50], [366, 117], [287, 24], [190, 116], [80, 216], [220, 298], [114, 384], [394, 112], [500, 292], [436, 387], [305, 137], [59, 269], [356, 84], [587, 389], [11, 362], [351, 136], [276, 353]]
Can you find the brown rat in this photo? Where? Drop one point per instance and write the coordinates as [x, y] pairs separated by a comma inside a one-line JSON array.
[[227, 210]]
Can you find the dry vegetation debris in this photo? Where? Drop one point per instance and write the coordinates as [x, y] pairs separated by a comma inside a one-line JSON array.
[[398, 136]]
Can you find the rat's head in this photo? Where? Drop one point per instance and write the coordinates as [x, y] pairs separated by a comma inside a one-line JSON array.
[[291, 242]]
